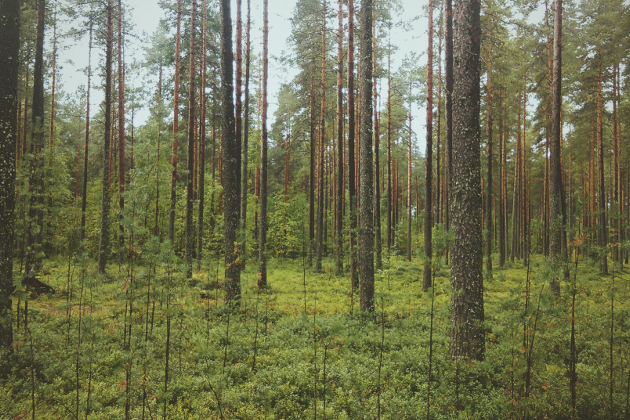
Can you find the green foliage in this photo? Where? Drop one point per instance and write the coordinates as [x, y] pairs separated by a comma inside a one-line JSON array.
[[285, 237], [212, 373]]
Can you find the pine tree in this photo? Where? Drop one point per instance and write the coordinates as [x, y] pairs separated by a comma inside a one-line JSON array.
[[366, 217], [36, 182], [121, 137], [191, 145], [171, 214], [9, 64], [104, 243], [262, 235], [231, 149], [340, 173], [556, 216], [467, 334], [428, 198]]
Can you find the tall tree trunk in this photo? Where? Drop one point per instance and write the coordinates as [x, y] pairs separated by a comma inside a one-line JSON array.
[[439, 216], [448, 105], [231, 163], [322, 139], [489, 185], [354, 278], [409, 183], [121, 138], [36, 184], [390, 207], [467, 309], [244, 169], [9, 65], [340, 148], [502, 187], [377, 146], [556, 218], [87, 138], [238, 108], [287, 161], [202, 133], [615, 190], [51, 135], [156, 231], [428, 198], [602, 237], [516, 203], [366, 217], [173, 200], [104, 243], [190, 236], [311, 185], [262, 235]]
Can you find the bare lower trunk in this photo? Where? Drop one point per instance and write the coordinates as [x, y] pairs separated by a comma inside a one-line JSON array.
[[9, 64], [174, 176], [231, 150], [104, 243], [428, 198], [366, 187], [467, 309], [262, 235]]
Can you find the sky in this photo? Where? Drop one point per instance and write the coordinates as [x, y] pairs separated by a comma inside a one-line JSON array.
[[146, 14]]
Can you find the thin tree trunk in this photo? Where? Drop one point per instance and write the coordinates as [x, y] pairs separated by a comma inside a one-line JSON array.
[[36, 184], [121, 139], [489, 185], [174, 176], [238, 105], [354, 278], [467, 309], [244, 188], [556, 218], [377, 142], [104, 243], [409, 183], [202, 134], [322, 139], [428, 198], [502, 188], [448, 117], [601, 193], [311, 201], [389, 155], [340, 148], [615, 163], [516, 190], [366, 217], [190, 236], [262, 235], [53, 86], [87, 138]]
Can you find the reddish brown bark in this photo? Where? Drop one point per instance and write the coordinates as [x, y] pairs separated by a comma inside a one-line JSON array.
[[322, 129], [121, 137], [174, 176], [339, 164], [262, 235], [351, 152], [190, 236], [428, 214]]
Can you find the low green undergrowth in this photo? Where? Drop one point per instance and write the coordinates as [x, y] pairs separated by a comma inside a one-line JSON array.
[[97, 347]]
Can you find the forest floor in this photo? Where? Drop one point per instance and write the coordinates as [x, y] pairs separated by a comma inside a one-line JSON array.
[[97, 348]]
